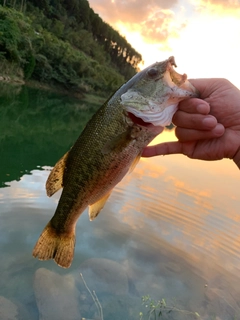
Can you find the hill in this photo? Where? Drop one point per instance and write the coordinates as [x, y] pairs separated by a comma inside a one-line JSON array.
[[63, 43]]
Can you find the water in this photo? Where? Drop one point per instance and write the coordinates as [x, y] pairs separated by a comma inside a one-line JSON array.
[[169, 230]]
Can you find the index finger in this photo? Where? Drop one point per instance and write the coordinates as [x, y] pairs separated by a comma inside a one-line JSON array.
[[194, 105], [202, 84], [207, 86]]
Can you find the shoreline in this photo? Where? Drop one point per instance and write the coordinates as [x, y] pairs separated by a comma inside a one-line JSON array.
[[88, 97]]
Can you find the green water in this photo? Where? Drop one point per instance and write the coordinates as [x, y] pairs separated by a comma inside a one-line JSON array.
[[36, 128], [170, 229]]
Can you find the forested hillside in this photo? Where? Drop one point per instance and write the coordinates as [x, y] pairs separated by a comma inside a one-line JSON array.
[[63, 43]]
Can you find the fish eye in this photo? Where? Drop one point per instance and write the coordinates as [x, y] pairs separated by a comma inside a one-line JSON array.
[[153, 72]]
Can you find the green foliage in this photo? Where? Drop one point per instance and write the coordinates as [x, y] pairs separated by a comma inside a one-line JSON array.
[[65, 43], [9, 34], [29, 67], [16, 40]]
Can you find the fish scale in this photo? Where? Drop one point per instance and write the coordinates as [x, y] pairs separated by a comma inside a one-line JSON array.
[[110, 146]]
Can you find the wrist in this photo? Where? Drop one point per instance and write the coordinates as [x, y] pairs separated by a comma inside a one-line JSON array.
[[236, 158]]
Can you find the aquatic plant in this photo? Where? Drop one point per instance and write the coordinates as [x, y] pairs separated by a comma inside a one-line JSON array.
[[157, 309], [94, 297]]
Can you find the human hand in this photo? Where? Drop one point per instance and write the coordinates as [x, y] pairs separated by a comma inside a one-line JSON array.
[[207, 128]]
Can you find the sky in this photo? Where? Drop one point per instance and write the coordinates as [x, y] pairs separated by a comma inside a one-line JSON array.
[[202, 35]]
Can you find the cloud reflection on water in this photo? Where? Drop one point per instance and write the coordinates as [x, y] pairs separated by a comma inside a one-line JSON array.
[[194, 204], [173, 223]]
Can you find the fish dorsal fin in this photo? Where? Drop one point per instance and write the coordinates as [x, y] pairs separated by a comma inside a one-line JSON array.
[[134, 163], [96, 207], [55, 178]]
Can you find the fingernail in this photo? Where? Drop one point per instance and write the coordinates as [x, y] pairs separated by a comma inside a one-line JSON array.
[[219, 129], [203, 108], [209, 122]]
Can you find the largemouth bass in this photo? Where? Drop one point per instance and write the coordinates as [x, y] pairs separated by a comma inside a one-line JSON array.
[[108, 148]]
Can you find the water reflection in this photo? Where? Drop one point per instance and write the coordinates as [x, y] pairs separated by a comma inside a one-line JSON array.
[[37, 128], [170, 229]]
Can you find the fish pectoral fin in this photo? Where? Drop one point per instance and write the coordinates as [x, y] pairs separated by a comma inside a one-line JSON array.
[[134, 163], [96, 207], [55, 178], [118, 142]]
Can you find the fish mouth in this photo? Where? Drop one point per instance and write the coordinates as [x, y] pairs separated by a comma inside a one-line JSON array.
[[179, 80], [139, 121], [158, 106], [157, 119]]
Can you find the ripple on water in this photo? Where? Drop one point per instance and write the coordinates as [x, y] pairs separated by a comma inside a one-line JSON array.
[[184, 214]]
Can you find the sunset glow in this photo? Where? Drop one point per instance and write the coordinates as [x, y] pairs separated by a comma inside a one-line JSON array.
[[203, 35]]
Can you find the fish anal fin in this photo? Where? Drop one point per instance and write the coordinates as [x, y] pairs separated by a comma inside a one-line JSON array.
[[57, 246], [96, 207], [55, 178], [134, 163]]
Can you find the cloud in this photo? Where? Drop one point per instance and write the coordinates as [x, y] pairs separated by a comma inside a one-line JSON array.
[[159, 26], [152, 19], [134, 11], [227, 3], [223, 7]]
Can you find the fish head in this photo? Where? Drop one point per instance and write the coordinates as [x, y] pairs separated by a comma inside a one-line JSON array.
[[154, 93]]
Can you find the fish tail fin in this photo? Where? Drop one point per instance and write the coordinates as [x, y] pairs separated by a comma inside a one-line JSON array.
[[57, 246]]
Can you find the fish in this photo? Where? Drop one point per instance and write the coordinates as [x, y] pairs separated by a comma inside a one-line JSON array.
[[108, 148]]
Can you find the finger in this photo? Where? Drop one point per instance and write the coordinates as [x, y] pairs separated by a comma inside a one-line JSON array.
[[185, 135], [202, 85], [194, 105], [194, 121], [207, 86], [163, 149], [166, 148]]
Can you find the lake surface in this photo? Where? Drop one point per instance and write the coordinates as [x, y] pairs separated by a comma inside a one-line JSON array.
[[170, 230]]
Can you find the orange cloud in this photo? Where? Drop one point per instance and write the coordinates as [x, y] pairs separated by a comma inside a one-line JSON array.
[[133, 11], [153, 19], [159, 26], [224, 3], [223, 7]]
